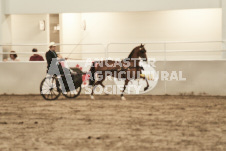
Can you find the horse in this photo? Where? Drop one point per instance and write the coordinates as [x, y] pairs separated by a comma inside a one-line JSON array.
[[127, 69]]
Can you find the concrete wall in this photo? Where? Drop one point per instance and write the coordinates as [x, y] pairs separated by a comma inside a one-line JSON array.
[[73, 6], [5, 35], [1, 18], [21, 78], [202, 78], [142, 21], [224, 28], [135, 27], [70, 33], [25, 30], [54, 35], [175, 25]]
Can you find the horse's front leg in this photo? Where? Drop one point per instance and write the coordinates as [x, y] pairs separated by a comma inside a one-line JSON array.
[[100, 81], [126, 83]]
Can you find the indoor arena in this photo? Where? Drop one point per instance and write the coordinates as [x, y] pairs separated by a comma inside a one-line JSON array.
[[113, 75]]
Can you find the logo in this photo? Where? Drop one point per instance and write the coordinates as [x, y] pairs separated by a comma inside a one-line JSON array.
[[137, 86], [112, 75]]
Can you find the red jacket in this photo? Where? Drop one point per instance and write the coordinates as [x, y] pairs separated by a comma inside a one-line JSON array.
[[36, 57]]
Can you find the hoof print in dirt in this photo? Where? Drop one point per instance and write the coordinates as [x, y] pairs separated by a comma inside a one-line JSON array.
[[4, 123], [98, 137]]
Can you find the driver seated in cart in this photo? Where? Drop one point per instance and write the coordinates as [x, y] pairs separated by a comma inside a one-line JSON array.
[[54, 67]]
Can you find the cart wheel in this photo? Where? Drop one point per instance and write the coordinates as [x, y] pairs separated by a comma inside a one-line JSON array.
[[49, 88], [73, 94]]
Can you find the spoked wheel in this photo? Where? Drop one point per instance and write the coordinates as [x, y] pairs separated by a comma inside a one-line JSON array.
[[73, 94], [49, 88]]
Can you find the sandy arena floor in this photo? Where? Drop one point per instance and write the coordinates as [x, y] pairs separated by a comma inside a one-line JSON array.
[[167, 123]]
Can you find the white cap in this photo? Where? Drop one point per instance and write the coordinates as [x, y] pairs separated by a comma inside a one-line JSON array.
[[52, 44]]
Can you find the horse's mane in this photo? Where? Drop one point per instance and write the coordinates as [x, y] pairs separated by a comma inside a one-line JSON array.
[[132, 52]]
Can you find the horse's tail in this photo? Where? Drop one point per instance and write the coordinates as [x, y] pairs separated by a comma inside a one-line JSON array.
[[92, 74]]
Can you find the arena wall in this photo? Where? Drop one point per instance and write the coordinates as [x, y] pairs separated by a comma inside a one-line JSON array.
[[73, 6], [127, 27], [173, 25], [202, 78]]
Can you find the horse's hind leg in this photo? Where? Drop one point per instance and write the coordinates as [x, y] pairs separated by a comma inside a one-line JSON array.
[[126, 83], [101, 83], [95, 85], [103, 87], [91, 95]]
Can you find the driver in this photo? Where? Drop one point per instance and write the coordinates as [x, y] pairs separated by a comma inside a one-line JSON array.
[[54, 67], [52, 54]]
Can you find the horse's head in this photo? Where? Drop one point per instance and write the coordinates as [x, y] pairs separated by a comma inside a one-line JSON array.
[[142, 53], [139, 52]]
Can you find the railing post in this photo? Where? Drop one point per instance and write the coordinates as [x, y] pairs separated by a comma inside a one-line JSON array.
[[164, 51], [106, 50]]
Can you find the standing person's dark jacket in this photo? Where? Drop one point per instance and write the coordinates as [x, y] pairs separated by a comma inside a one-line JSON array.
[[36, 57]]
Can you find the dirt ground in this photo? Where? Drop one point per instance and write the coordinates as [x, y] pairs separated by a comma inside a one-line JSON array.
[[167, 123]]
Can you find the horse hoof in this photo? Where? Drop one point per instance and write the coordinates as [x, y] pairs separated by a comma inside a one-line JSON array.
[[145, 88], [106, 94], [92, 97], [123, 98]]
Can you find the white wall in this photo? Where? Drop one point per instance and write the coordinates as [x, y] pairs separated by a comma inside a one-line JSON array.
[[6, 29], [5, 25], [224, 27], [70, 33], [25, 30], [6, 34], [202, 77], [177, 25], [21, 78], [73, 6], [174, 25], [1, 22], [1, 15]]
